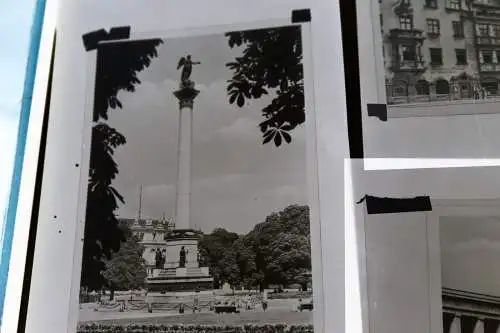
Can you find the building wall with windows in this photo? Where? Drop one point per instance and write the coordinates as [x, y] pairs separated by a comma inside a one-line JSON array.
[[486, 17], [151, 234], [427, 44]]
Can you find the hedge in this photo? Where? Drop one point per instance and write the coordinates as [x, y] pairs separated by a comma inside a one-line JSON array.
[[138, 328], [290, 294]]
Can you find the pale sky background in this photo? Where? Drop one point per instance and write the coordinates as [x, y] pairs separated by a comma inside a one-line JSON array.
[[237, 181], [470, 254], [15, 25]]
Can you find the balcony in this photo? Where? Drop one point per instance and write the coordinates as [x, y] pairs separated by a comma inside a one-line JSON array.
[[489, 68], [488, 41], [404, 35], [414, 66]]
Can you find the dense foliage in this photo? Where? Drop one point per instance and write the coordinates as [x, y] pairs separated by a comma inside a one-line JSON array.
[[276, 252], [117, 67], [271, 62], [150, 328], [126, 270]]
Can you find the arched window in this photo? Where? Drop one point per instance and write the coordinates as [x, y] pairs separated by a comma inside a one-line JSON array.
[[422, 87], [442, 87]]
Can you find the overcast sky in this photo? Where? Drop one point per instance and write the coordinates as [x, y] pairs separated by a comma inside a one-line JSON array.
[[237, 181], [470, 253]]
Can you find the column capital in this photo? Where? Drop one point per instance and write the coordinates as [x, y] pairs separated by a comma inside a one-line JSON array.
[[186, 96]]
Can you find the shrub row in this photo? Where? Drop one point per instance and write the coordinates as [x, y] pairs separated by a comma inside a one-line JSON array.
[[290, 294], [138, 328]]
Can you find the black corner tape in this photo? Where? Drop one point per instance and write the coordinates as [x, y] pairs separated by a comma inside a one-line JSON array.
[[119, 33], [92, 39], [377, 110], [376, 205], [301, 15]]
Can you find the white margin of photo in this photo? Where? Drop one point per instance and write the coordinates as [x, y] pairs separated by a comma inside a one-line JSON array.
[[311, 155], [355, 284], [372, 75], [22, 225]]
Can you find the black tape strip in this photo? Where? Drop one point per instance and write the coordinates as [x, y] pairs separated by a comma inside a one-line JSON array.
[[301, 15], [376, 205], [377, 110], [351, 74], [92, 39], [25, 293]]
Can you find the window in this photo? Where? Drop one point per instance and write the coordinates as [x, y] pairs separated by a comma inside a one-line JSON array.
[[458, 29], [436, 56], [487, 56], [431, 4], [461, 56], [483, 30], [496, 30], [433, 27], [442, 87], [406, 22], [455, 4], [408, 52]]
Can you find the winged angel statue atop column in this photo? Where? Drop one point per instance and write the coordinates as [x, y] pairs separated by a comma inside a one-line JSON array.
[[187, 67]]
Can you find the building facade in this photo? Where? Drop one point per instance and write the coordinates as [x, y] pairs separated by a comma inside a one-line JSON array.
[[151, 234], [486, 17], [469, 312], [440, 49]]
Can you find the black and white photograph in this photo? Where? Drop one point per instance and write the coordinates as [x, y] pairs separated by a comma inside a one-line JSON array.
[[198, 207], [439, 51], [470, 248]]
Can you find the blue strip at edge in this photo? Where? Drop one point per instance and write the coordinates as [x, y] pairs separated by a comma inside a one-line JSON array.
[[29, 82]]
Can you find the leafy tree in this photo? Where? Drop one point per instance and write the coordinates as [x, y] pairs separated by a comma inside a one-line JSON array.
[[289, 258], [118, 65], [213, 248], [271, 62], [266, 238], [245, 261], [276, 251], [230, 269], [126, 269]]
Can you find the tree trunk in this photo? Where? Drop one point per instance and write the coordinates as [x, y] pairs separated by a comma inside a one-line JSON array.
[[111, 294]]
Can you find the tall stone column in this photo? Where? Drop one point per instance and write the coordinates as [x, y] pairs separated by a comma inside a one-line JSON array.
[[456, 326], [479, 328], [186, 95]]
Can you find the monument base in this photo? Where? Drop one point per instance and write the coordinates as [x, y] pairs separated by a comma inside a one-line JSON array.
[[177, 275], [184, 285]]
